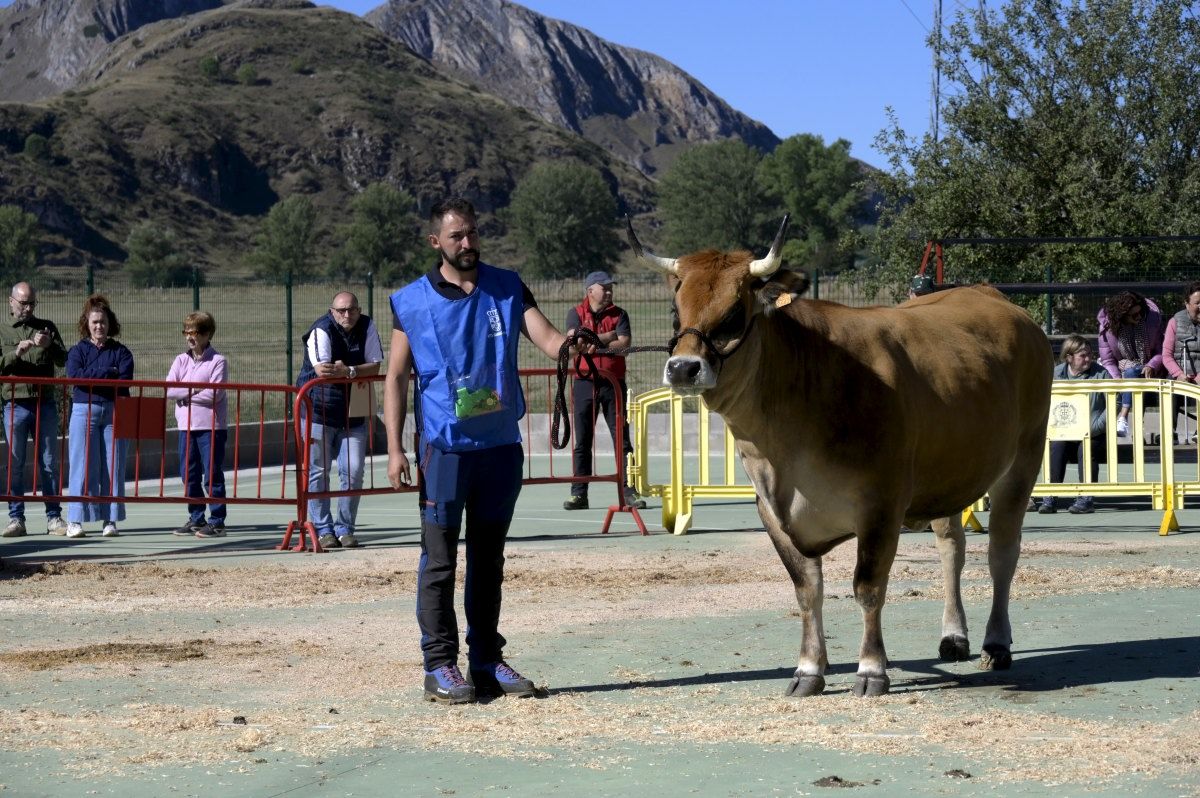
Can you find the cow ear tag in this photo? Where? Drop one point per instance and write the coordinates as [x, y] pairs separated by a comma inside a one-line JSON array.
[[783, 300]]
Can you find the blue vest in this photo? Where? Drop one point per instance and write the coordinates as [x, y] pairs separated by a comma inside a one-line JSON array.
[[465, 355], [331, 402]]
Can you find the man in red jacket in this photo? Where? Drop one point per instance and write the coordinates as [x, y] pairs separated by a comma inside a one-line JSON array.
[[598, 313]]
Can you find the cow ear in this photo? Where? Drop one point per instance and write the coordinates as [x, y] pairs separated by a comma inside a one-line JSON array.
[[781, 290]]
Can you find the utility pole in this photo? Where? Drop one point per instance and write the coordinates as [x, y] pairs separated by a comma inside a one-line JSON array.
[[935, 98]]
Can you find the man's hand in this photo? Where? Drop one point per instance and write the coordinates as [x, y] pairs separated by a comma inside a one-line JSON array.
[[399, 475], [23, 347], [334, 369], [41, 339]]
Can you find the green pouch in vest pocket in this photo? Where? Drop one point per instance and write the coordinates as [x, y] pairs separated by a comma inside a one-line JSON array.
[[472, 399]]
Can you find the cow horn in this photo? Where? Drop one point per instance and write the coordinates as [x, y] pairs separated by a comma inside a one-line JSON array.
[[666, 264], [765, 267]]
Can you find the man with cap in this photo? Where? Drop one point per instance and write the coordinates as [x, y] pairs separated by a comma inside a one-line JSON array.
[[611, 324], [920, 286]]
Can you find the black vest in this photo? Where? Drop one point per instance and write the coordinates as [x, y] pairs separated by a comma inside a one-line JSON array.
[[331, 402]]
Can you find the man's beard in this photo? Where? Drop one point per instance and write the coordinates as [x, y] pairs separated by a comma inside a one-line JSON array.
[[465, 261]]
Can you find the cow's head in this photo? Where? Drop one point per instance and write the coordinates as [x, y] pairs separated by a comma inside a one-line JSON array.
[[717, 297]]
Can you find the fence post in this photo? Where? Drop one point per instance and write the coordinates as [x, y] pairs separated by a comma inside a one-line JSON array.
[[816, 284], [287, 284], [371, 295], [195, 287], [91, 278], [1049, 301]]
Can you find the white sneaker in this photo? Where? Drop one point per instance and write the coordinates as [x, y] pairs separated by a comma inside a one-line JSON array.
[[56, 526], [110, 530], [1123, 427], [15, 529], [75, 530]]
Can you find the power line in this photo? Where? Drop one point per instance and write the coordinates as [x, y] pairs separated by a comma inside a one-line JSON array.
[[914, 16]]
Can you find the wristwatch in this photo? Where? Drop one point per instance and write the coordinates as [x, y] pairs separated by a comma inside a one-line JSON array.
[[353, 372]]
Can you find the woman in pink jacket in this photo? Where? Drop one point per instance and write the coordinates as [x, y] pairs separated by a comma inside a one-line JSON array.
[[1131, 343], [201, 416]]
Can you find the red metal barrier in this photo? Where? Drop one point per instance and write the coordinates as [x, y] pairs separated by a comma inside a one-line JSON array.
[[142, 418], [540, 387]]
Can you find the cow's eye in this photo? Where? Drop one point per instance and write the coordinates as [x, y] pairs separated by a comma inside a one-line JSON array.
[[730, 326]]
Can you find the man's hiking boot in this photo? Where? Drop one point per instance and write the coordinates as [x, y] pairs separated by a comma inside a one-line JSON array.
[[499, 679], [329, 541], [446, 685], [576, 503], [188, 530], [632, 499]]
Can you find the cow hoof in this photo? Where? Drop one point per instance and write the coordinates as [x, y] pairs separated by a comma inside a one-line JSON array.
[[954, 648], [872, 686], [802, 686], [995, 658]]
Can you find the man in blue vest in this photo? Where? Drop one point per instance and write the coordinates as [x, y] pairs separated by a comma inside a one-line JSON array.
[[342, 344], [457, 328]]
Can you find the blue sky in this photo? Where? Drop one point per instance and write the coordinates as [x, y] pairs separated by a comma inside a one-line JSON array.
[[827, 67]]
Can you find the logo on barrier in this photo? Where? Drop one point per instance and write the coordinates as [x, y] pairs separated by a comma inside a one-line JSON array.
[[1069, 418]]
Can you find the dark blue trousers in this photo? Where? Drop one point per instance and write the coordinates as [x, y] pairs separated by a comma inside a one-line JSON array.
[[201, 461], [484, 486]]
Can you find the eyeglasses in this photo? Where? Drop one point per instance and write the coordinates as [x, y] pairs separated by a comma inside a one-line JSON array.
[[192, 332], [26, 303], [344, 311]]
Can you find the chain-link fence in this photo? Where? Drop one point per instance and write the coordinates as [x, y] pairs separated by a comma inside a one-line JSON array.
[[262, 346]]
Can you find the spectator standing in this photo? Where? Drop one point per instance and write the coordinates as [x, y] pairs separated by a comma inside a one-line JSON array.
[[97, 456], [598, 313], [201, 415], [1077, 364], [32, 347], [342, 344], [458, 328], [1131, 343]]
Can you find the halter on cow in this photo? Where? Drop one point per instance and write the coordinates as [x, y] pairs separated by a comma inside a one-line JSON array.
[[853, 421]]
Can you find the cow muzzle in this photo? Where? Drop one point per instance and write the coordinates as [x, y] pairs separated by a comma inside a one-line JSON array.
[[688, 374]]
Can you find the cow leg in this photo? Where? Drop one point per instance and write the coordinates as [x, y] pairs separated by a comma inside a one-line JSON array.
[[876, 552], [809, 678], [952, 545], [1010, 499]]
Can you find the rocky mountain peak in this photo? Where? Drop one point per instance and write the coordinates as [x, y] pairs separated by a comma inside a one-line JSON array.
[[45, 45], [633, 103]]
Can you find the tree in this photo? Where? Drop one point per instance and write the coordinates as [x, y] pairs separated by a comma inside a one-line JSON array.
[[818, 186], [384, 237], [710, 198], [37, 147], [1062, 119], [155, 260], [284, 244], [563, 218], [18, 244]]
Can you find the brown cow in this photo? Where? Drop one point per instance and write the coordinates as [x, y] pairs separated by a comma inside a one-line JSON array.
[[853, 421]]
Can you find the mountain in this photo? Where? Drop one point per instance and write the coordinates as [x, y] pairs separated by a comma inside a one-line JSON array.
[[632, 103], [202, 122], [46, 44]]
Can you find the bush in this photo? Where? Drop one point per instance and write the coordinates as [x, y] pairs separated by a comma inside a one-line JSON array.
[[247, 75], [37, 147], [210, 67], [91, 31], [18, 244]]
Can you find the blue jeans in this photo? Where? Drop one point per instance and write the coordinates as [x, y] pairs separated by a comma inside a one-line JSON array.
[[202, 466], [483, 485], [21, 421], [97, 463], [1129, 373], [349, 444]]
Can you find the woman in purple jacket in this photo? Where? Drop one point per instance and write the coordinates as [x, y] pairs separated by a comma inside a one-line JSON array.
[[1131, 342], [97, 457], [201, 416]]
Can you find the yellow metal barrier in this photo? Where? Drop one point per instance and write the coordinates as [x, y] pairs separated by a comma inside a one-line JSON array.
[[1161, 483]]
